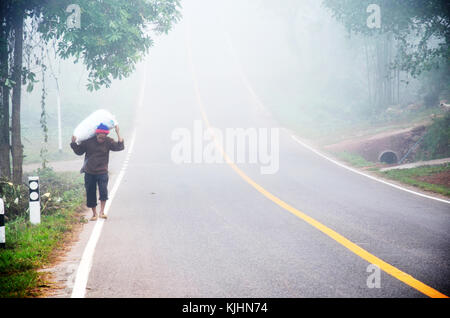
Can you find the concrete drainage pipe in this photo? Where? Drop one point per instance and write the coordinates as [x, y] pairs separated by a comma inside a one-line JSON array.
[[388, 156]]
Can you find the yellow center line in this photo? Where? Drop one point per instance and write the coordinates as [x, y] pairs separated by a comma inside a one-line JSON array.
[[372, 259]]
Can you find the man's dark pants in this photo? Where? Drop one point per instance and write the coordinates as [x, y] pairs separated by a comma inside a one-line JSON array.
[[90, 182]]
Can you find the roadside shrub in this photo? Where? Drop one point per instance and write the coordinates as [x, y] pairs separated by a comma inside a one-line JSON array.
[[14, 197], [431, 99], [436, 143], [57, 190]]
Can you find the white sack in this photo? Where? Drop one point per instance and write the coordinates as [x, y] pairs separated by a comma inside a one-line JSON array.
[[86, 129]]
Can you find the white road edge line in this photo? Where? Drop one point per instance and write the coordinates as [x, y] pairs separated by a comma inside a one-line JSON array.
[[363, 174], [82, 275]]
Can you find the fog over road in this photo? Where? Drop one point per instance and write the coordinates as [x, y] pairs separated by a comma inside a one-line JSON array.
[[201, 230]]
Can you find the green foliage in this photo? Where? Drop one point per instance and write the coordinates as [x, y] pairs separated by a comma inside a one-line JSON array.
[[421, 29], [436, 143], [435, 85], [113, 34], [29, 79], [57, 192], [16, 284], [14, 197], [354, 159], [28, 248], [43, 122], [112, 38]]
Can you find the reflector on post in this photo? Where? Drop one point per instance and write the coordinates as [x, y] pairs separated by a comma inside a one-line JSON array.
[[35, 201]]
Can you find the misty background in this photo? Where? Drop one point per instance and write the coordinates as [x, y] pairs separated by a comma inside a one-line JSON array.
[[307, 69]]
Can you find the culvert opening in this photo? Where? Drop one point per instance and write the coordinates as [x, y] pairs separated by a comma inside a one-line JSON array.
[[388, 157]]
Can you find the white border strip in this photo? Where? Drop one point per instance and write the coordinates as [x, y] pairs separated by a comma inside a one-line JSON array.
[[366, 175]]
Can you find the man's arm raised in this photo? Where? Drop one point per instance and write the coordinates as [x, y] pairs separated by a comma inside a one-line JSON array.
[[78, 149], [117, 146]]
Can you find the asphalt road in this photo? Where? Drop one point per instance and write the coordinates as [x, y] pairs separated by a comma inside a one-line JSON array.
[[201, 230]]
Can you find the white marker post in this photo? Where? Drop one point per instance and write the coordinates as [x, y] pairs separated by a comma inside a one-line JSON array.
[[2, 225], [35, 201]]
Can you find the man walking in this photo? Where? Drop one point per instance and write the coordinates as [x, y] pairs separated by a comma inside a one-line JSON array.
[[95, 167]]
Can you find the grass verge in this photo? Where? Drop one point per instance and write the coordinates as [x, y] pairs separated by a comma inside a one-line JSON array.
[[354, 159], [411, 177], [30, 247]]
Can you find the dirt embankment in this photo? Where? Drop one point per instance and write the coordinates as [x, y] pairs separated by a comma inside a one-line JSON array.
[[377, 147], [441, 178]]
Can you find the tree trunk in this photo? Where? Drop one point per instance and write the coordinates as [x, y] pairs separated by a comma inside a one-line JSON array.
[[5, 163], [380, 75], [16, 140], [383, 90]]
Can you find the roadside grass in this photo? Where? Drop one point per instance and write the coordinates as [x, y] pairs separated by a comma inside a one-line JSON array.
[[30, 247], [354, 160], [409, 176], [405, 176]]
